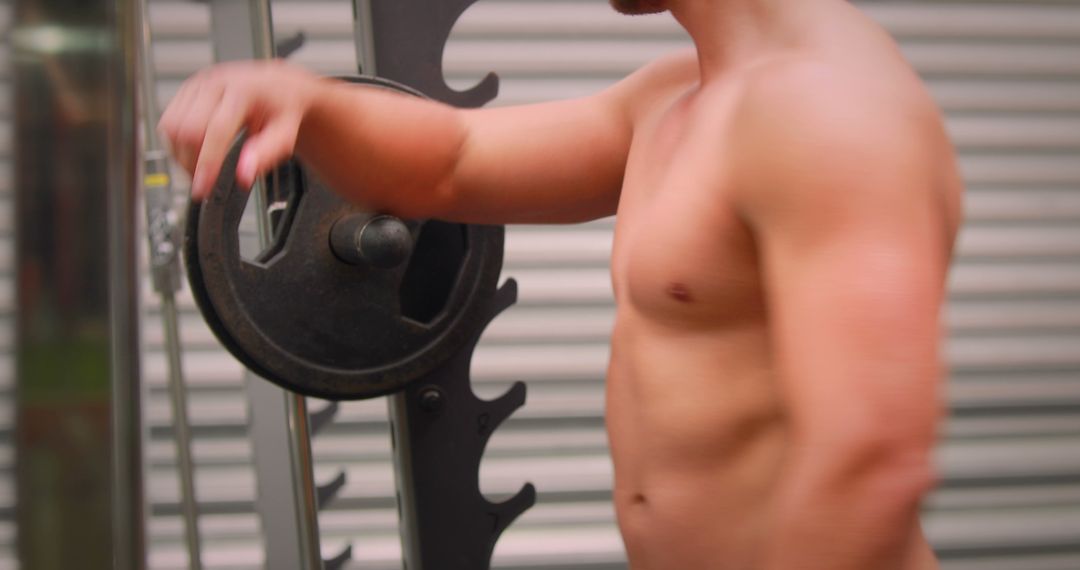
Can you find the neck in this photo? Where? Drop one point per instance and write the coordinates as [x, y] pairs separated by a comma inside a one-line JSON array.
[[731, 33]]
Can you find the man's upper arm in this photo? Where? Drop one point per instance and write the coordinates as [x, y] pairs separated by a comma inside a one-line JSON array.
[[560, 161], [838, 193]]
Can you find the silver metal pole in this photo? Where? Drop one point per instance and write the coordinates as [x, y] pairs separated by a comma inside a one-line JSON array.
[[162, 230], [364, 26], [364, 30], [182, 432], [283, 476], [129, 501], [408, 523], [287, 503], [303, 476]]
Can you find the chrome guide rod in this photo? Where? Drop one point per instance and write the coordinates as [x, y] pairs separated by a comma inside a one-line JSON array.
[[286, 496], [364, 26], [162, 235], [364, 31]]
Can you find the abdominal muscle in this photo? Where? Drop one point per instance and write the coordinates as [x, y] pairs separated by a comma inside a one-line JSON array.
[[697, 439]]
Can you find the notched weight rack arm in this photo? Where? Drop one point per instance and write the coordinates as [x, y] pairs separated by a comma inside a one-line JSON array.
[[440, 428], [404, 40]]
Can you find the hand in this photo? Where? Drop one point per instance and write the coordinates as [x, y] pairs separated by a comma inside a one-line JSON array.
[[267, 98]]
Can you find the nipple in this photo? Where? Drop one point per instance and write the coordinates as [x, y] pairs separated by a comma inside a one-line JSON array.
[[680, 293]]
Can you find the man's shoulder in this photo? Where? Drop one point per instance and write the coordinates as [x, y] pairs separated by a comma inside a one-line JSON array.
[[821, 100], [808, 129], [679, 66], [810, 110], [669, 74]]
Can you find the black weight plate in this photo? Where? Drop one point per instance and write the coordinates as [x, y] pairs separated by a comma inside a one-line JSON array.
[[304, 319]]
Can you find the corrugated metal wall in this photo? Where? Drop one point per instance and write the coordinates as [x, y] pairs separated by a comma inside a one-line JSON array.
[[1008, 75]]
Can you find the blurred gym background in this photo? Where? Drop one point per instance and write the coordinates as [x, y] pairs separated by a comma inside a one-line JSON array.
[[1007, 75]]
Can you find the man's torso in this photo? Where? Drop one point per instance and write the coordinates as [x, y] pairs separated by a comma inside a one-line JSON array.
[[695, 417]]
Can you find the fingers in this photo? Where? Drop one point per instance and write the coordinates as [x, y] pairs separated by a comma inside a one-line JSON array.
[[208, 111], [170, 118], [186, 157], [218, 131], [267, 148], [173, 119]]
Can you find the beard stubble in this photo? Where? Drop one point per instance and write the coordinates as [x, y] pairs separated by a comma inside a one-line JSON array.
[[639, 7]]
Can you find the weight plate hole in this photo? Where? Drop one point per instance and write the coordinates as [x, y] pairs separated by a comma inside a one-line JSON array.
[[436, 262], [279, 204]]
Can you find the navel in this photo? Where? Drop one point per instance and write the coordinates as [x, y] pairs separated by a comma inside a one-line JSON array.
[[680, 293]]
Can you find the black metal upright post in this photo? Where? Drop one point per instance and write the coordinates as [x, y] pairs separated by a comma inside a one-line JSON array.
[[440, 428]]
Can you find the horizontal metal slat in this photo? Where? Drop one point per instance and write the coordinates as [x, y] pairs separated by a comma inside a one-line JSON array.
[[1023, 204], [1015, 169], [1055, 95], [1021, 278], [1033, 561], [1006, 21], [1001, 389], [1025, 133], [994, 58], [1001, 424], [974, 462], [1034, 352], [555, 20], [1044, 495], [1019, 528], [618, 57], [1028, 241], [170, 19], [999, 316], [621, 57]]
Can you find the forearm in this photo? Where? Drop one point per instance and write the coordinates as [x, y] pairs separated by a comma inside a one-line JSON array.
[[391, 152], [848, 516]]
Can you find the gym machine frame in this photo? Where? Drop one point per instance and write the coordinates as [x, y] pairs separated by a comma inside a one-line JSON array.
[[439, 427]]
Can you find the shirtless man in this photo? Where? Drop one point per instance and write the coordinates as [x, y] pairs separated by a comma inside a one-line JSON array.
[[786, 202]]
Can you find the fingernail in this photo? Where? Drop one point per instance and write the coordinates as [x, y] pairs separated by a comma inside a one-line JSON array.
[[245, 169], [198, 186]]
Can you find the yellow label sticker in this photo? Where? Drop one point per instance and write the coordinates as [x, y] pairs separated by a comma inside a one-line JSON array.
[[156, 180]]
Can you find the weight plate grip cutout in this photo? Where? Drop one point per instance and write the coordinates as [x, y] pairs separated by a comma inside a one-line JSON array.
[[310, 314]]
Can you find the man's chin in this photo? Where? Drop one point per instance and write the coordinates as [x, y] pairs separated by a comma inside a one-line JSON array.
[[639, 7]]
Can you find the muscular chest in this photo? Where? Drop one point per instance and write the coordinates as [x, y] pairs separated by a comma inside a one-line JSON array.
[[681, 253]]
